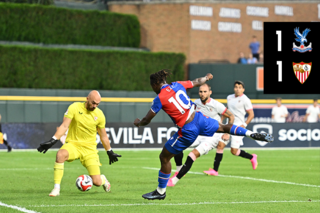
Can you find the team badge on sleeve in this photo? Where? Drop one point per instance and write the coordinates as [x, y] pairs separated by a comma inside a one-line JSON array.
[[302, 71], [301, 38]]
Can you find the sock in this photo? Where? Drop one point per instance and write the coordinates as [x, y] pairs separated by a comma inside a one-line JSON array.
[[103, 180], [237, 130], [6, 143], [163, 180], [161, 190], [57, 185], [217, 161], [58, 172], [175, 180], [178, 159], [245, 155], [187, 166]]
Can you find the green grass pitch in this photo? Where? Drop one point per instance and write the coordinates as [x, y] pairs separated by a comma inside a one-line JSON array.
[[285, 181]]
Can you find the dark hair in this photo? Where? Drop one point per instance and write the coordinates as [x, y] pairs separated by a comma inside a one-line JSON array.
[[239, 82], [159, 77], [278, 98], [254, 36], [315, 100]]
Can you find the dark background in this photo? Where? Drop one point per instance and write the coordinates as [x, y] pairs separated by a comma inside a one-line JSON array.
[[290, 84]]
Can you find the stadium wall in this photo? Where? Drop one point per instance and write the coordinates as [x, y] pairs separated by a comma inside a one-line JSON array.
[[210, 30], [125, 135]]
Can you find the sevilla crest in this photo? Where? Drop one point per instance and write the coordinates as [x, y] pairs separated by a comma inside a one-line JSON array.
[[302, 71]]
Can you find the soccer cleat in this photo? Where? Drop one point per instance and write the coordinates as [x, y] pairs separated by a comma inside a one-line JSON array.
[[211, 172], [9, 148], [262, 137], [254, 161], [170, 183], [107, 185], [155, 195], [55, 192]]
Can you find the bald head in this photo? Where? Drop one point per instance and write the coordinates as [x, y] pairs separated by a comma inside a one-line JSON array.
[[93, 100]]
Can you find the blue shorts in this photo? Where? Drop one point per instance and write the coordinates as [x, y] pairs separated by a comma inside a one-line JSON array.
[[200, 125]]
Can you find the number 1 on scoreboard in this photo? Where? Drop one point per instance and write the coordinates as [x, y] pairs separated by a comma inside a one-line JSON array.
[[278, 32], [279, 63]]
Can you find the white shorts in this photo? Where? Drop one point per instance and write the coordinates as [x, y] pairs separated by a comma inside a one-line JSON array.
[[205, 144], [236, 141]]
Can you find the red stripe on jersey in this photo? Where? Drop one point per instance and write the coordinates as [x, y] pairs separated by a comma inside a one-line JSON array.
[[224, 111]]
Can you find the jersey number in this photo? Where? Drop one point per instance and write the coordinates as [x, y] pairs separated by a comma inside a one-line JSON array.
[[179, 104]]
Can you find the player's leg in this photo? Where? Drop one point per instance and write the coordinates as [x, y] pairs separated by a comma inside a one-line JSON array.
[[92, 164], [8, 146], [240, 131], [178, 160], [176, 144], [236, 142], [218, 157], [193, 155], [66, 152]]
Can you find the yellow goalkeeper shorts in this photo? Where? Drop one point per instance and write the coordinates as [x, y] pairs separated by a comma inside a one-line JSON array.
[[89, 158]]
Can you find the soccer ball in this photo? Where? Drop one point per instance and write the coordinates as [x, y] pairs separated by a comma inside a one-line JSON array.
[[84, 183]]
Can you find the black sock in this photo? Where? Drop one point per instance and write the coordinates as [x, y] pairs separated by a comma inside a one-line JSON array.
[[217, 161], [185, 168], [245, 155], [178, 159], [5, 142]]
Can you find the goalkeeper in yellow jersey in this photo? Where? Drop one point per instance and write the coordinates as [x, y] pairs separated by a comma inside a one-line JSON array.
[[83, 119]]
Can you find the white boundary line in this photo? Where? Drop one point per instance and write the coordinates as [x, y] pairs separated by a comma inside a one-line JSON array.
[[248, 178], [17, 208], [175, 204], [160, 148]]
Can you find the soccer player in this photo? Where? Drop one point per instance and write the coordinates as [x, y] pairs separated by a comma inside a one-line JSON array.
[[83, 119], [312, 113], [172, 98], [211, 108], [2, 140], [238, 104], [279, 112]]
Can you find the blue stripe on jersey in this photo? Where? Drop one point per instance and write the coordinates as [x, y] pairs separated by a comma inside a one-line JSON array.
[[156, 105]]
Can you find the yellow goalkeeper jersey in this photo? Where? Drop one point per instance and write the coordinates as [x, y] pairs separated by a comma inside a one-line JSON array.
[[84, 124]]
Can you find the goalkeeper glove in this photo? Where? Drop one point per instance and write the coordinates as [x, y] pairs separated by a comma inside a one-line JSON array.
[[113, 157], [44, 146]]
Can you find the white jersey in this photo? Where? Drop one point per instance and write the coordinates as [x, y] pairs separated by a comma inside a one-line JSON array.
[[239, 106], [212, 109], [313, 114], [277, 112]]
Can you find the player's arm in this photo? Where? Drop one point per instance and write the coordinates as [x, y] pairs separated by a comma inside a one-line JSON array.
[[228, 115], [200, 81], [44, 146], [306, 116], [250, 116], [146, 120], [113, 157]]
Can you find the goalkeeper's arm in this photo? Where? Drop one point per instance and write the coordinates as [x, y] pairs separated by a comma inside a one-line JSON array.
[[44, 146], [113, 157]]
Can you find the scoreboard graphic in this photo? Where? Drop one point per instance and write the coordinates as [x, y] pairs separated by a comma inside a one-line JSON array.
[[292, 58]]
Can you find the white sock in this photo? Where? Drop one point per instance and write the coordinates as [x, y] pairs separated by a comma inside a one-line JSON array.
[[178, 168], [57, 186], [248, 133], [175, 180], [161, 190]]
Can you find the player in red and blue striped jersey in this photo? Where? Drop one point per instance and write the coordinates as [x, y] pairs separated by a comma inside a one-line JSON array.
[[173, 99]]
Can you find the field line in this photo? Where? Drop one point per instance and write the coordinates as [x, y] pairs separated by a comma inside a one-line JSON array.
[[17, 208], [173, 204], [248, 178]]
